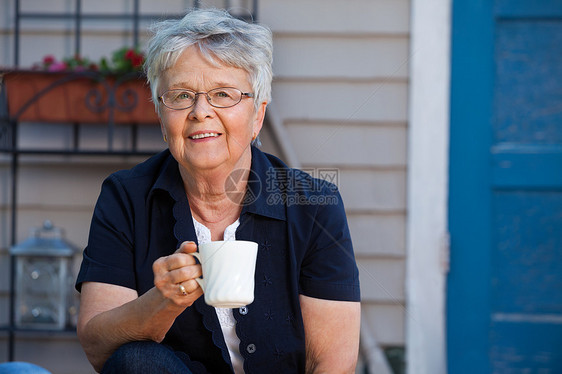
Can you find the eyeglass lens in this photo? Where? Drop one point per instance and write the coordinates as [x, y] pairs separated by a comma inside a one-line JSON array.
[[222, 97]]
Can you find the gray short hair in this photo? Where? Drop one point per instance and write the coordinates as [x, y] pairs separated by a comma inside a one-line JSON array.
[[219, 36]]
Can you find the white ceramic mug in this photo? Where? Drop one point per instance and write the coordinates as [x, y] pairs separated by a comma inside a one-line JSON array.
[[228, 272]]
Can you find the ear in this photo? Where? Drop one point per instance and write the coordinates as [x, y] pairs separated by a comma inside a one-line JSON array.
[[260, 116]]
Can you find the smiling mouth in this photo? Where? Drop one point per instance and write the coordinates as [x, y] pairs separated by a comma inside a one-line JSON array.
[[205, 135]]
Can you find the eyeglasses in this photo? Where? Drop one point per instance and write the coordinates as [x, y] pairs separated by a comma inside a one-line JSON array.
[[223, 97]]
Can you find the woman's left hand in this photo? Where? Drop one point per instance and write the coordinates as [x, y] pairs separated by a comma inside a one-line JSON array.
[[174, 276]]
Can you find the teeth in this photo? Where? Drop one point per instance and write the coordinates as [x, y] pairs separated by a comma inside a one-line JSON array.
[[205, 135]]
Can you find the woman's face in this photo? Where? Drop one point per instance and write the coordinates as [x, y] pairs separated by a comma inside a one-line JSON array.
[[230, 130]]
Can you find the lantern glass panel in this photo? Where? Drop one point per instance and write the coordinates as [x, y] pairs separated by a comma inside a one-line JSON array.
[[43, 286], [41, 292]]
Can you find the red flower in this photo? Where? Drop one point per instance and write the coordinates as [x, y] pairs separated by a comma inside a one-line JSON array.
[[130, 54], [48, 60], [137, 60]]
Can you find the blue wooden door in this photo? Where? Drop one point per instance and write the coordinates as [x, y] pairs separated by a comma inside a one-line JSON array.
[[504, 297]]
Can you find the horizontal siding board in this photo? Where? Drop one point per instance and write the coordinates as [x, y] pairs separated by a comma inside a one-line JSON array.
[[378, 235], [386, 322], [75, 223], [60, 185], [46, 136], [90, 137], [108, 6], [349, 144], [50, 6], [373, 191], [335, 16], [34, 48], [382, 280], [145, 6], [320, 57], [65, 27], [332, 101]]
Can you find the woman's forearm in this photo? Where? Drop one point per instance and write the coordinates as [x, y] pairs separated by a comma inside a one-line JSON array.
[[112, 315], [148, 317]]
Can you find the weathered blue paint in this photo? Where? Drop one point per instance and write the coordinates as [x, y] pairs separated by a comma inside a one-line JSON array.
[[526, 282], [527, 254], [504, 303], [468, 299], [527, 9], [527, 348], [528, 100], [526, 166]]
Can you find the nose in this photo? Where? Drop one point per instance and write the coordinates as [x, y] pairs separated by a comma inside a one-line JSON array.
[[201, 108]]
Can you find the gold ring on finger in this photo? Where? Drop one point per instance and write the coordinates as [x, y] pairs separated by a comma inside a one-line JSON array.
[[183, 291]]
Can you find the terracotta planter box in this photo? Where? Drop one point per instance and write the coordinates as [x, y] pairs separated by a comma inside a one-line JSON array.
[[84, 97]]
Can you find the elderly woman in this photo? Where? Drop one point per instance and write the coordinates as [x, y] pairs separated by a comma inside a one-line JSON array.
[[141, 308]]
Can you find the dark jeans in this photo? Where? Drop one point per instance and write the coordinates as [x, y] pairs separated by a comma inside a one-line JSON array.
[[148, 357]]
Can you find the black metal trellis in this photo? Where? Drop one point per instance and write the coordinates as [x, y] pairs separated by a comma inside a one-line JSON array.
[[9, 124], [78, 17]]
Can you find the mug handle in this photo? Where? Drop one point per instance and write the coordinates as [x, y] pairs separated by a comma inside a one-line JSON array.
[[201, 281]]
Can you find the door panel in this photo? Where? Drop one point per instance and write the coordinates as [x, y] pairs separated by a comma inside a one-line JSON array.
[[528, 87], [526, 276], [505, 284], [527, 257]]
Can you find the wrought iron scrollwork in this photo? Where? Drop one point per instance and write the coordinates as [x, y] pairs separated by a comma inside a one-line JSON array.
[[125, 102]]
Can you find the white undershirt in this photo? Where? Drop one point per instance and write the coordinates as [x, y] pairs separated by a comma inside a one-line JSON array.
[[225, 316]]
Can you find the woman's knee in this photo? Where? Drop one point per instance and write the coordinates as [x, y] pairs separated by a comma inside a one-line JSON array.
[[132, 357]]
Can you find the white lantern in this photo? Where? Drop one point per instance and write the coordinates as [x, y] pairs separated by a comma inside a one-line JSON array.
[[44, 282]]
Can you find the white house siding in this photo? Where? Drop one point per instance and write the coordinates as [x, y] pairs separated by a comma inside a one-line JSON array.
[[341, 88], [341, 91]]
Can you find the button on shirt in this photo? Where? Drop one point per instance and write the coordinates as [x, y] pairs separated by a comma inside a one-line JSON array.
[[304, 248]]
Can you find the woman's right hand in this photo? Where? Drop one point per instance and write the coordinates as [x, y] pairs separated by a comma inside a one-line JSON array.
[[112, 315], [174, 276]]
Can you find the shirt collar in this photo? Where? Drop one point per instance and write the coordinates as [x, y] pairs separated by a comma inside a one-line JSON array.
[[169, 178], [263, 196]]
